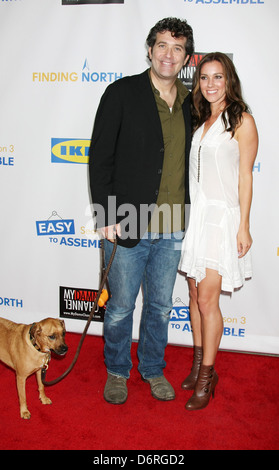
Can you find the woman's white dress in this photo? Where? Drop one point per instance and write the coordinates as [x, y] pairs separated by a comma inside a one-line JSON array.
[[210, 241]]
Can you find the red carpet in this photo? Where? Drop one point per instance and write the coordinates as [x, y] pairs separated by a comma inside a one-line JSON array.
[[243, 416]]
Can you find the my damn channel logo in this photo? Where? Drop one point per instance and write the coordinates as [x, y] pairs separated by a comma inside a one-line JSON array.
[[70, 150], [186, 74]]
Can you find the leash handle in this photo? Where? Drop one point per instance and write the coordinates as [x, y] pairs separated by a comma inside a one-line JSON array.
[[103, 282]]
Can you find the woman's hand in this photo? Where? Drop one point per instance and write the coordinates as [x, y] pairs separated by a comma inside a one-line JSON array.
[[244, 242]]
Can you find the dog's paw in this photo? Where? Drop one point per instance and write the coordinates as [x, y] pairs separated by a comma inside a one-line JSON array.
[[25, 414], [45, 400]]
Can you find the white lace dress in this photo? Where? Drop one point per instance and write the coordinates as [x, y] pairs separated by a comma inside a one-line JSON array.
[[210, 241]]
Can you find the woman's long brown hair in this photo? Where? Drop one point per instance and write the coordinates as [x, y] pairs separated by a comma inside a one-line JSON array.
[[235, 105]]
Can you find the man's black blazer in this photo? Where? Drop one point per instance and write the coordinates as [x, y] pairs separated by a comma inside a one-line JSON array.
[[127, 153]]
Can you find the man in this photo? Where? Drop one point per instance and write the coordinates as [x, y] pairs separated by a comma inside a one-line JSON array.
[[139, 167]]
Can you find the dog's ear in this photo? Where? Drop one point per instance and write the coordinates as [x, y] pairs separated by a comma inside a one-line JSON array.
[[34, 331], [37, 329]]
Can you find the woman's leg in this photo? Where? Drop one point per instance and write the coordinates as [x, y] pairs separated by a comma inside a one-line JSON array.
[[194, 312], [209, 290], [190, 381]]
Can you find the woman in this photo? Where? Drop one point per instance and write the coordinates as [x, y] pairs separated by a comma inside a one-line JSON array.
[[215, 252]]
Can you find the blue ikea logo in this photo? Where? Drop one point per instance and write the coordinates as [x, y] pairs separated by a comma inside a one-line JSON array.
[[70, 150], [55, 227]]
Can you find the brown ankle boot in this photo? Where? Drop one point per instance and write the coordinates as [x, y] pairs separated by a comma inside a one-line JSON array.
[[204, 388], [190, 381]]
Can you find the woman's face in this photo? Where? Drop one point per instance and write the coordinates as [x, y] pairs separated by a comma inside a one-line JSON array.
[[213, 83]]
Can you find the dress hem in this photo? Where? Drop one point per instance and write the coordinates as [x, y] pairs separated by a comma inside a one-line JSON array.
[[226, 286]]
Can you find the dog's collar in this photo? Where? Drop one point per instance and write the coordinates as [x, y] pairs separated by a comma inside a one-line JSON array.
[[47, 355]]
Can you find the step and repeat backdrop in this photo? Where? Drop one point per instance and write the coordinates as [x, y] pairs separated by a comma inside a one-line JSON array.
[[57, 57]]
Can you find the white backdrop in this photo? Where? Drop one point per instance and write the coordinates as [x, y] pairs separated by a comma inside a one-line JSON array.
[[56, 61]]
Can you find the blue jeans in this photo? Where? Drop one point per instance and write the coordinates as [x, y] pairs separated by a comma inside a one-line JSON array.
[[153, 264]]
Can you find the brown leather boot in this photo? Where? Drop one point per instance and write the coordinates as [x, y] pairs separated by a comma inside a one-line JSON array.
[[190, 381], [205, 387]]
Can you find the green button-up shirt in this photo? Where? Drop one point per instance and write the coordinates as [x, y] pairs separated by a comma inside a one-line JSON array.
[[169, 213]]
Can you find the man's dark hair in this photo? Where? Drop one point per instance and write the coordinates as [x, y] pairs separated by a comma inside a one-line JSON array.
[[178, 28]]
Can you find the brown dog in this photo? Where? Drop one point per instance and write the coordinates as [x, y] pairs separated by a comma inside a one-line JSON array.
[[26, 348]]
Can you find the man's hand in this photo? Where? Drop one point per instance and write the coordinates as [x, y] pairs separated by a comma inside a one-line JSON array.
[[110, 232]]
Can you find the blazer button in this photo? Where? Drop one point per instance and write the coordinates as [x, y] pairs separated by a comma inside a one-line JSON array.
[[160, 171], [156, 192], [162, 150]]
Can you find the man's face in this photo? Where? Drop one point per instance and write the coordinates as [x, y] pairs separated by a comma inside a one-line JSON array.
[[168, 55]]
